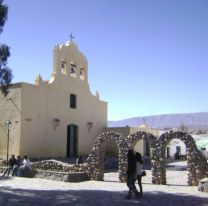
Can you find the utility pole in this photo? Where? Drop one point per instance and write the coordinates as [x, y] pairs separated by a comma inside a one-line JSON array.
[[8, 123]]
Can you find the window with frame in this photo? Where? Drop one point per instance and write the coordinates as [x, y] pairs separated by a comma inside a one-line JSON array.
[[73, 101]]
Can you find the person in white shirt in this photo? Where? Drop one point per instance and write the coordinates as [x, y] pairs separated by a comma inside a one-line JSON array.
[[25, 169], [26, 162]]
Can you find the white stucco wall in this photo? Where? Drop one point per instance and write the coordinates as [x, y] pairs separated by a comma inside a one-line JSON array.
[[173, 144], [33, 121], [10, 110]]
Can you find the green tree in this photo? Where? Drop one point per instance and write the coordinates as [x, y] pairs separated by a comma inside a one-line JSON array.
[[5, 71]]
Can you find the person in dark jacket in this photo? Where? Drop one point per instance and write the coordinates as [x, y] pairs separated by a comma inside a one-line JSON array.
[[138, 157], [19, 163], [131, 171], [12, 162]]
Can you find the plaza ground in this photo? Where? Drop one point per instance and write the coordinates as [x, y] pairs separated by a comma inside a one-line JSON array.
[[16, 191]]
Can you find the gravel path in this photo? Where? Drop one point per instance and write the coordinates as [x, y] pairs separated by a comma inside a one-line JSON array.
[[16, 191]]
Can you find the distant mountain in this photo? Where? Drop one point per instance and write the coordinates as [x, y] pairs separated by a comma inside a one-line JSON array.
[[191, 120]]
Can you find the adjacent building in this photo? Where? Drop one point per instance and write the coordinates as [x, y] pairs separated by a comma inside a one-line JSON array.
[[140, 146], [175, 149]]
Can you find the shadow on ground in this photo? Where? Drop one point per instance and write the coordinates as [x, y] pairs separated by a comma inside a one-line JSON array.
[[19, 197]]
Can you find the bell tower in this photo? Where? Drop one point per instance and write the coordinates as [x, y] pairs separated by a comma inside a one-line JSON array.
[[69, 61]]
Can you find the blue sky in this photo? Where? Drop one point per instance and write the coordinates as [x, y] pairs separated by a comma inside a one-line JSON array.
[[145, 57]]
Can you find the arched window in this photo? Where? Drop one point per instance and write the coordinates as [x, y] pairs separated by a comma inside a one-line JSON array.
[[73, 70], [63, 66], [73, 101]]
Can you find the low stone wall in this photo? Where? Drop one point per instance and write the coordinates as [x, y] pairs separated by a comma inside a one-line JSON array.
[[73, 174], [62, 176], [56, 170], [54, 165]]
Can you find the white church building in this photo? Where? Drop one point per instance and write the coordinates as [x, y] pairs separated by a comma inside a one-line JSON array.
[[59, 117]]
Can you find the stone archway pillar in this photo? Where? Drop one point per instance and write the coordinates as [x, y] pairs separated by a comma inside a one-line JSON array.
[[94, 168], [122, 163], [196, 163], [191, 167], [156, 168], [96, 158], [159, 164]]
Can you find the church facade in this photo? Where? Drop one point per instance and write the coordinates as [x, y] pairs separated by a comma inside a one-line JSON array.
[[59, 117]]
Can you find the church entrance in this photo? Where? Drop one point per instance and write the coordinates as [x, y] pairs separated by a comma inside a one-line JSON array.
[[72, 140]]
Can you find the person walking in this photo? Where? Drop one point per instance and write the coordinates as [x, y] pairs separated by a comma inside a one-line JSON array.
[[138, 157], [131, 171], [12, 162]]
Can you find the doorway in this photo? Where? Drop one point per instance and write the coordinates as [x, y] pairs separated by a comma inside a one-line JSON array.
[[72, 140]]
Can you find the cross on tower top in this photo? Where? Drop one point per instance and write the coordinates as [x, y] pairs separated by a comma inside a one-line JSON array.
[[71, 37]]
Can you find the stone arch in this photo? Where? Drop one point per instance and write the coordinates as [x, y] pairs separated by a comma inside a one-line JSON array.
[[95, 160], [196, 162], [151, 139]]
